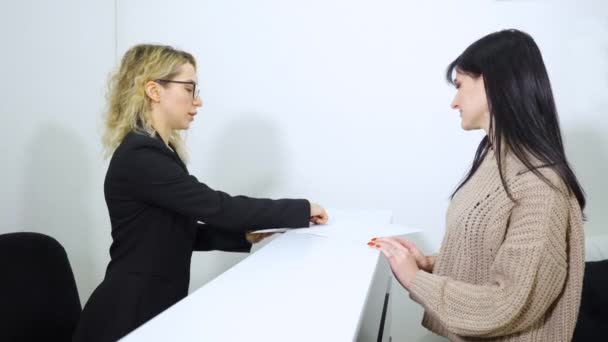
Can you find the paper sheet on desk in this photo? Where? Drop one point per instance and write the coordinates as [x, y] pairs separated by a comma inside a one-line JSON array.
[[357, 232], [272, 230], [332, 222], [277, 230], [338, 217], [353, 232], [284, 230], [357, 226]]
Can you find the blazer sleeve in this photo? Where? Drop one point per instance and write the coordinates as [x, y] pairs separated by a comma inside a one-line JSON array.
[[213, 238], [153, 176]]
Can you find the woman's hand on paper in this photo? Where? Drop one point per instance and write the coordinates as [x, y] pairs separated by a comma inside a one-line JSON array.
[[318, 215]]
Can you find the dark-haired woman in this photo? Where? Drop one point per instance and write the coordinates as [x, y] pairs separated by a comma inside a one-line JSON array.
[[510, 267]]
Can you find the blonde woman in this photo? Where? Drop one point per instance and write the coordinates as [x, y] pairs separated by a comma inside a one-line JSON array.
[[154, 204]]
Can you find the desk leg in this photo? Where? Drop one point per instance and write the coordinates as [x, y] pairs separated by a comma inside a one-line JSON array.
[[376, 319], [384, 332]]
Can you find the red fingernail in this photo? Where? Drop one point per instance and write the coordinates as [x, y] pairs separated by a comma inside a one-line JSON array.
[[370, 244], [377, 245], [374, 239]]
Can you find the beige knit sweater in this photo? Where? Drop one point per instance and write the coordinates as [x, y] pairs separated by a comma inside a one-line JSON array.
[[506, 271]]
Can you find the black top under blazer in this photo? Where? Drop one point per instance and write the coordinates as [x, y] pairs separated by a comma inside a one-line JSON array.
[[154, 205]]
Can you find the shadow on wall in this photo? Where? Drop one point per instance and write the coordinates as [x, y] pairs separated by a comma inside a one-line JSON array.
[[247, 159], [587, 150], [57, 190]]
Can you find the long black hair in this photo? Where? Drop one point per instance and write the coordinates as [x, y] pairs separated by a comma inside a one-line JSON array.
[[522, 109]]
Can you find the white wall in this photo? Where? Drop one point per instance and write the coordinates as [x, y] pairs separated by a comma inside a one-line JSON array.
[[54, 61], [342, 102]]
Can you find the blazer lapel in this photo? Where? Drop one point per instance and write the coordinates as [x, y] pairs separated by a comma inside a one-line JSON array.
[[173, 152]]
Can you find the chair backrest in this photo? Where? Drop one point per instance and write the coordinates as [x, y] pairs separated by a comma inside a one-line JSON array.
[[593, 313], [596, 247], [38, 295]]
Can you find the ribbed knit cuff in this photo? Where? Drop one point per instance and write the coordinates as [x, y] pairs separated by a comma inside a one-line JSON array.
[[426, 289]]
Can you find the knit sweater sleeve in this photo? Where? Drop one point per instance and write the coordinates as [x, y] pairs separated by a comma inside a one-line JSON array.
[[526, 276]]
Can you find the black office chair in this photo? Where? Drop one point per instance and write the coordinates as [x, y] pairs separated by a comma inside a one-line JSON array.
[[592, 320], [38, 295]]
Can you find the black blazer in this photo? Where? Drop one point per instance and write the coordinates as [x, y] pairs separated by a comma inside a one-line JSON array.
[[154, 205]]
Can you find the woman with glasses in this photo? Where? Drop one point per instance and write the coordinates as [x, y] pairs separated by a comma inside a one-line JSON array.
[[154, 203], [510, 267]]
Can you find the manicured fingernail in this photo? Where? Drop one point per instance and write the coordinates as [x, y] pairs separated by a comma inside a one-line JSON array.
[[370, 244], [374, 239], [378, 246]]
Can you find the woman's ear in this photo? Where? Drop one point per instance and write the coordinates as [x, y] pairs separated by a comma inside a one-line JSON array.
[[153, 91]]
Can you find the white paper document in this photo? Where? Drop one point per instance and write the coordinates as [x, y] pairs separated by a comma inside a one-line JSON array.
[[348, 225], [272, 230]]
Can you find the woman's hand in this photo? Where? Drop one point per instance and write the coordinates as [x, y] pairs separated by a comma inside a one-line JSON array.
[[425, 263], [256, 237], [403, 263], [318, 215]]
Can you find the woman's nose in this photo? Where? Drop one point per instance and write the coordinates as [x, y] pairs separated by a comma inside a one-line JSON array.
[[454, 104]]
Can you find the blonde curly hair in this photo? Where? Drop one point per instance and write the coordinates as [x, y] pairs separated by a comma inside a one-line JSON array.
[[128, 105]]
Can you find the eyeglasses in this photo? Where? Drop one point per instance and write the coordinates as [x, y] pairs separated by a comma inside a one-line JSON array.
[[195, 91]]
